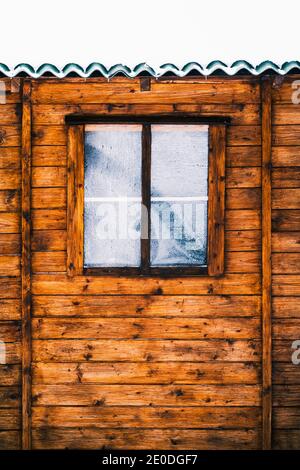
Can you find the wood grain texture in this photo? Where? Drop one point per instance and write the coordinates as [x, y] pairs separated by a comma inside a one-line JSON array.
[[10, 200], [216, 200], [146, 350], [10, 158], [49, 156], [10, 243], [286, 220], [105, 348], [176, 373], [61, 284], [135, 328], [286, 307], [162, 92], [286, 242], [26, 267], [169, 439], [266, 103], [151, 417], [75, 200], [147, 395], [285, 156], [9, 440], [146, 306]]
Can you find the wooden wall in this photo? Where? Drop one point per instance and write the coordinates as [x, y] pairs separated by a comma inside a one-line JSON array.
[[10, 249], [146, 363], [151, 363], [286, 265]]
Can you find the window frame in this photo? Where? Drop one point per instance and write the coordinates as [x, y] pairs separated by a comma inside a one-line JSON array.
[[216, 194]]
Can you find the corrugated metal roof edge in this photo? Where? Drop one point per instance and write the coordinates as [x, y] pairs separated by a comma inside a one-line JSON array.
[[95, 68]]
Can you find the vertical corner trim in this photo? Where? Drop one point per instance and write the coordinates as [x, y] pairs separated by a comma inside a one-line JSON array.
[[266, 126], [26, 264], [75, 200], [216, 199]]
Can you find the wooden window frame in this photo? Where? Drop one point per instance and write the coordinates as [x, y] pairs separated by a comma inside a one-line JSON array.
[[216, 195]]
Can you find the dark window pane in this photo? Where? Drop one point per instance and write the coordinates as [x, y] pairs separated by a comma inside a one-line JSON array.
[[112, 195], [179, 190]]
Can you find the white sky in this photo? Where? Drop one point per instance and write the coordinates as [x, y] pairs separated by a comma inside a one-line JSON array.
[[155, 31]]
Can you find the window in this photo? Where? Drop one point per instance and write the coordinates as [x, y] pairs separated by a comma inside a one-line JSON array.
[[146, 196]]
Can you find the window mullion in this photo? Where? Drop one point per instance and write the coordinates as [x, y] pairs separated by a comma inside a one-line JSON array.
[[146, 198]]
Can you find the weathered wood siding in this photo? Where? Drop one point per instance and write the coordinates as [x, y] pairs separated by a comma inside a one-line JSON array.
[[141, 363], [286, 265], [10, 250], [150, 362]]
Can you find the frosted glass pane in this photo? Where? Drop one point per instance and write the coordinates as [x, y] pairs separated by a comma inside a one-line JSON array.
[[112, 195], [179, 190]]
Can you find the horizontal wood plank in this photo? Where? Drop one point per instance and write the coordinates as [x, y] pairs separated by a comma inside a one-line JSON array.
[[9, 419], [243, 219], [9, 288], [286, 417], [10, 243], [54, 261], [10, 113], [48, 198], [49, 219], [285, 220], [10, 374], [286, 198], [10, 265], [145, 395], [10, 331], [240, 114], [169, 439], [10, 440], [286, 263], [175, 373], [286, 328], [285, 374], [286, 395], [62, 284], [243, 262], [285, 156], [9, 178], [10, 136], [10, 397], [10, 309], [10, 158], [235, 262], [9, 222], [146, 417], [146, 306], [243, 156], [286, 114], [243, 135], [286, 242], [161, 92], [286, 439], [288, 284], [139, 327], [52, 176], [146, 350], [286, 307], [49, 156], [243, 198], [248, 177], [286, 177]]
